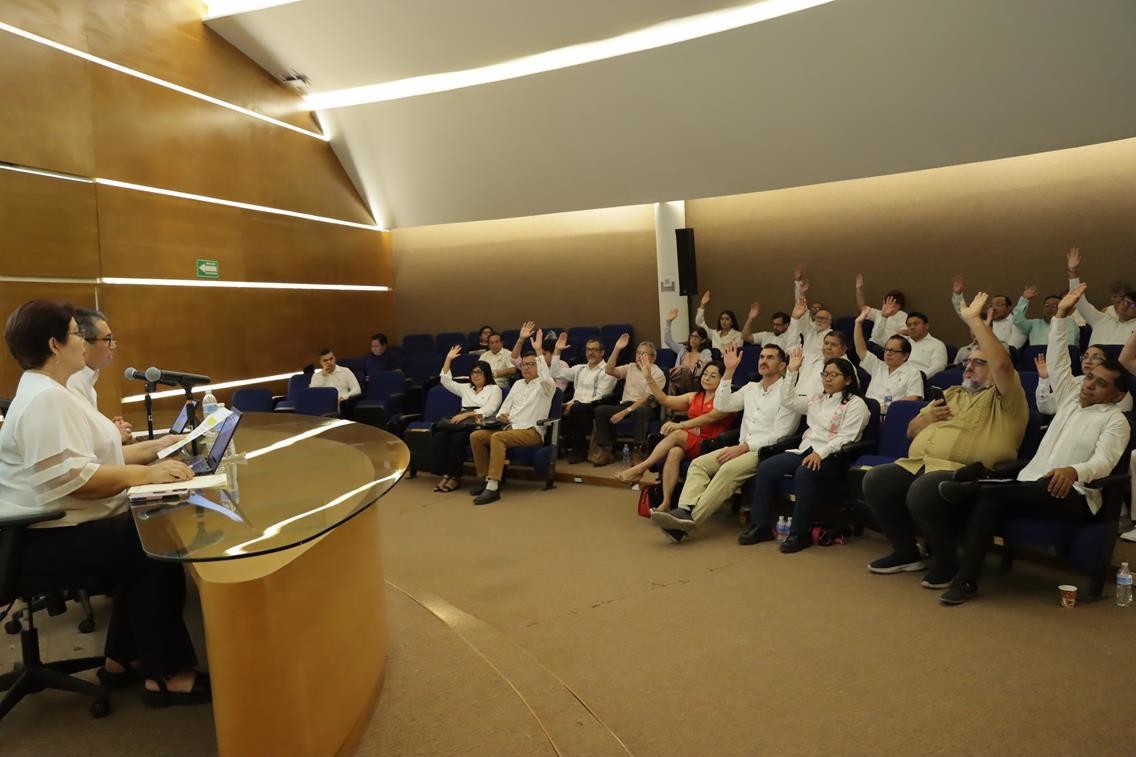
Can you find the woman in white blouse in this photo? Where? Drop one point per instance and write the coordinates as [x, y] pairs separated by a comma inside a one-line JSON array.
[[836, 417], [727, 331], [57, 452], [893, 379], [480, 399], [690, 357]]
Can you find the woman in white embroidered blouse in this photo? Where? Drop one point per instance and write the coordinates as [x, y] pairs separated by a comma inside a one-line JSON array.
[[58, 453], [835, 417], [727, 331], [690, 357], [480, 399]]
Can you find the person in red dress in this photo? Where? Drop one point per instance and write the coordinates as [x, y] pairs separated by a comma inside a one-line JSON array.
[[682, 438]]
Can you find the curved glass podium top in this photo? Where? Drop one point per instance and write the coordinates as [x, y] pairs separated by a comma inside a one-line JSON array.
[[294, 478]]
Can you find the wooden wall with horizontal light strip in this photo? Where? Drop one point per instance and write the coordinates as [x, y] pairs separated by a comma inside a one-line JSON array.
[[68, 115]]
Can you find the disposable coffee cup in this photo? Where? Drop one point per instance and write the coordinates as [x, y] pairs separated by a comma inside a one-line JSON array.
[[1068, 595]]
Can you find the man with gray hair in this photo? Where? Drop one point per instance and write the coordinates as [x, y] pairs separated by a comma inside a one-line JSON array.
[[636, 402], [101, 346]]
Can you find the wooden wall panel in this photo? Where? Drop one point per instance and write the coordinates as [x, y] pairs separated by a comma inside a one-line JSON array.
[[12, 295], [568, 269], [147, 235], [50, 227], [239, 333], [164, 39], [1003, 224], [45, 120], [146, 134]]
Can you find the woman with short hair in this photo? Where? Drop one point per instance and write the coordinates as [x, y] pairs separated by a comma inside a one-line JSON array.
[[480, 399]]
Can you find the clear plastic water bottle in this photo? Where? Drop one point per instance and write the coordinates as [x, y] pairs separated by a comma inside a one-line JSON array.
[[886, 405], [782, 528], [788, 525], [627, 455], [1123, 586], [208, 403]]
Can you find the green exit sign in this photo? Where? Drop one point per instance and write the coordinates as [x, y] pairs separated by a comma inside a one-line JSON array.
[[208, 269]]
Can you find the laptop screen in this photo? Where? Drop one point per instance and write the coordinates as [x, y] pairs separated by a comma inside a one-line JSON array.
[[183, 422], [225, 432]]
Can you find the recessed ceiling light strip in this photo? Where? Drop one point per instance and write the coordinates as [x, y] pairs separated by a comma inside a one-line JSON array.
[[47, 174], [155, 80], [118, 280]]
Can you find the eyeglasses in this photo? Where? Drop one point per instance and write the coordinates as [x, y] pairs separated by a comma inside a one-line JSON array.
[[1094, 359], [528, 364], [1127, 302], [108, 339], [889, 351], [830, 375], [975, 362]]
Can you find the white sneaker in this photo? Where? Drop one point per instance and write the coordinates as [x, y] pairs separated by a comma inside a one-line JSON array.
[[1129, 535]]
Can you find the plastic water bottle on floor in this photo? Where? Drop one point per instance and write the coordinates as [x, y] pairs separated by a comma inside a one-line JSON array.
[[782, 528], [1123, 586], [789, 525], [627, 455]]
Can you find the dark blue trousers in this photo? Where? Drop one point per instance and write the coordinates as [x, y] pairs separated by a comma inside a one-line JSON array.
[[772, 471]]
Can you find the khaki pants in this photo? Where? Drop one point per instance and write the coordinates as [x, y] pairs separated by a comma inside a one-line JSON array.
[[710, 483], [489, 448]]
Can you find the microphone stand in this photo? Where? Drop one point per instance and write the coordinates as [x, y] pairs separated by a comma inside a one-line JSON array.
[[190, 412], [150, 386]]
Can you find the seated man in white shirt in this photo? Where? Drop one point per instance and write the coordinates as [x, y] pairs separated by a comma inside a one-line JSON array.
[[101, 346], [818, 346], [529, 401], [1107, 329], [889, 318], [779, 333], [547, 348], [1001, 316], [500, 360], [714, 477], [893, 378], [1084, 443], [339, 378], [637, 402], [592, 385], [928, 354]]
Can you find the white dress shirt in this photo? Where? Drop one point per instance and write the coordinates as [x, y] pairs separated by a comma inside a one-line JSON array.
[[592, 381], [499, 361], [561, 383], [719, 341], [765, 420], [784, 340], [1089, 439], [884, 329], [904, 381], [1107, 329], [529, 401], [1004, 329], [51, 443], [831, 421], [928, 355], [634, 385], [82, 382], [341, 379], [485, 402], [809, 381], [1047, 401]]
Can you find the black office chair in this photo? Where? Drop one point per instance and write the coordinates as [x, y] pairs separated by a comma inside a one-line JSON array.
[[31, 674]]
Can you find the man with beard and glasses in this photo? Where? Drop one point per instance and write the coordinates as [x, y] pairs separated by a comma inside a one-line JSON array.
[[982, 421]]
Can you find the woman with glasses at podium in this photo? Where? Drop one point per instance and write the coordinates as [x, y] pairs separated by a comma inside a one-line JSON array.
[[58, 453]]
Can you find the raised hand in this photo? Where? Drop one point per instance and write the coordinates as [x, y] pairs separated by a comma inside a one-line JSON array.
[[622, 341], [958, 284], [804, 286], [538, 341], [705, 299], [864, 313], [800, 308], [754, 309], [672, 315], [890, 307], [1041, 366], [859, 281], [454, 352], [562, 341], [527, 329], [1073, 259], [798, 271], [1069, 301], [974, 309], [731, 357], [796, 357], [1030, 292]]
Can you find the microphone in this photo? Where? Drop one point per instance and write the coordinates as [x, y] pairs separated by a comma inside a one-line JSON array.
[[169, 378]]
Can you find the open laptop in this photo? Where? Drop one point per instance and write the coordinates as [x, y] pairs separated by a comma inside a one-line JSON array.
[[184, 423], [209, 463]]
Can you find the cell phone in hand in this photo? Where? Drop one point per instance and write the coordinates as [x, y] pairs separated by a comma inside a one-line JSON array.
[[936, 393]]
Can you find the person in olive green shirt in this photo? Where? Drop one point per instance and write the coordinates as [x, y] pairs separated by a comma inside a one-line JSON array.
[[982, 421]]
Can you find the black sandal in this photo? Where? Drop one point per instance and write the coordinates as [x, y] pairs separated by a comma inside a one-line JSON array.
[[201, 693], [441, 487], [454, 485], [125, 679]]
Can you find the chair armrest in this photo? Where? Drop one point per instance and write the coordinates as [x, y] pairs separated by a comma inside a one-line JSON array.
[[407, 417], [852, 450], [1107, 481], [781, 445], [22, 521]]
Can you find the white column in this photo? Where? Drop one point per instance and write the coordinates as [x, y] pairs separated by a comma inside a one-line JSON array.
[[668, 217]]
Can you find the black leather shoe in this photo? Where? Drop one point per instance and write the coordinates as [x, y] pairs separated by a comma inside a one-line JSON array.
[[487, 496], [755, 535], [958, 492], [959, 592], [477, 489], [795, 543]]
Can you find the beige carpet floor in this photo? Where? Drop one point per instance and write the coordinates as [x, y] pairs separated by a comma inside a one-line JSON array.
[[560, 622]]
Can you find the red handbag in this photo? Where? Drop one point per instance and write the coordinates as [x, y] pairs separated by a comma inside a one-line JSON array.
[[650, 497]]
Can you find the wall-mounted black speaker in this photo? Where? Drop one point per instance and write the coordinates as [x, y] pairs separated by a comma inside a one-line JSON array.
[[687, 268]]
